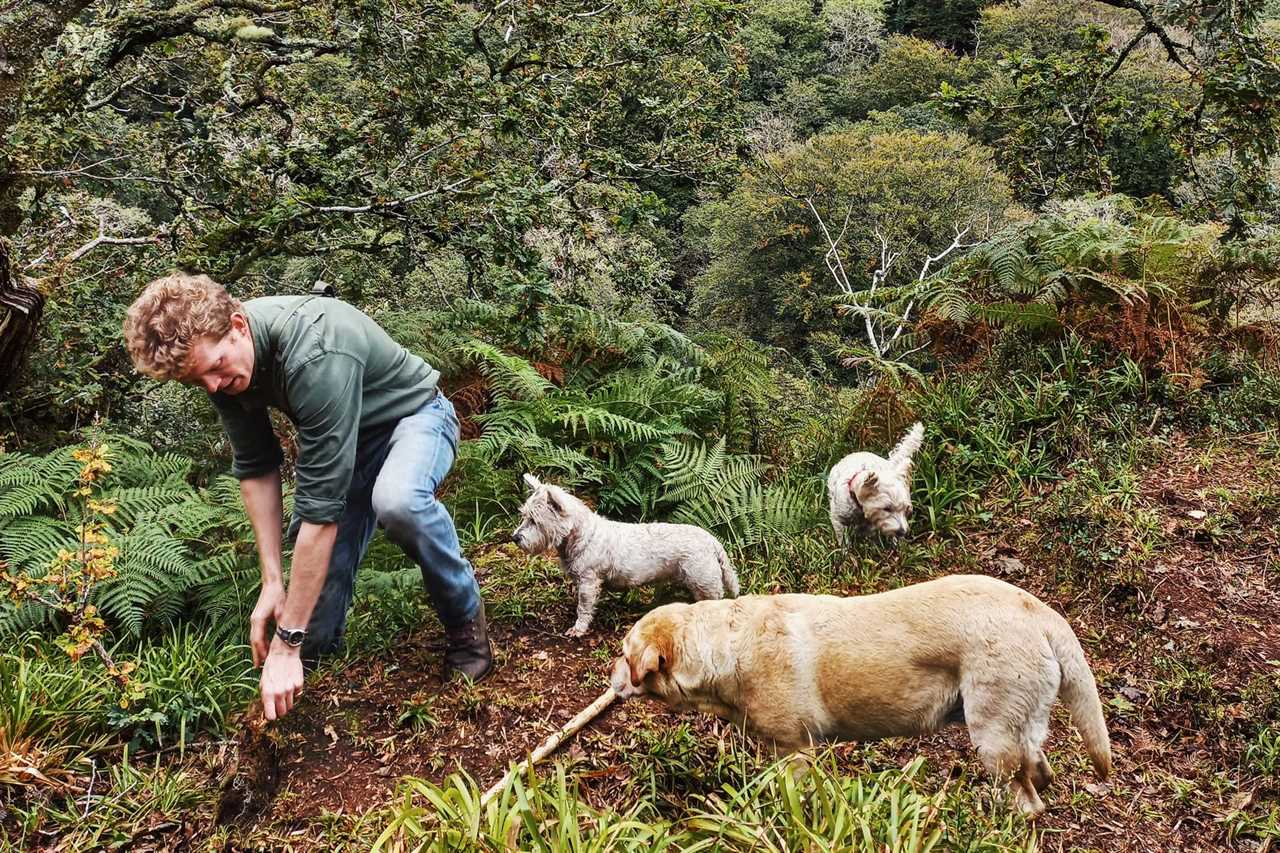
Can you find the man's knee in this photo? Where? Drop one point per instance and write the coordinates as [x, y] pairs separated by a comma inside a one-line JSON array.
[[402, 513]]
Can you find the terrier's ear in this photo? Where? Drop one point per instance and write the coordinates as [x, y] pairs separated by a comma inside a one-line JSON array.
[[554, 502], [651, 660], [864, 485], [532, 482]]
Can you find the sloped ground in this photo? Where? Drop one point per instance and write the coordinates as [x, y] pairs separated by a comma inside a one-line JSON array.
[[1172, 583]]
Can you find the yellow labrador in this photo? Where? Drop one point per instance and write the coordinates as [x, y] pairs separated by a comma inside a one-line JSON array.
[[802, 669]]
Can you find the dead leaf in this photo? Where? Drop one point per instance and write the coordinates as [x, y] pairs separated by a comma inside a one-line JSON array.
[[1133, 694], [1197, 514], [333, 736], [1010, 566], [1241, 801]]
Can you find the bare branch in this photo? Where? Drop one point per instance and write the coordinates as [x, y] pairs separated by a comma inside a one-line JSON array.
[[924, 272], [103, 240], [393, 204]]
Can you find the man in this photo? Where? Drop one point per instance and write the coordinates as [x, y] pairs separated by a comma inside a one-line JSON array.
[[375, 439]]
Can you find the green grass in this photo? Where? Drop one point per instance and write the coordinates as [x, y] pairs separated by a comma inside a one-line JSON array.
[[781, 807], [128, 803]]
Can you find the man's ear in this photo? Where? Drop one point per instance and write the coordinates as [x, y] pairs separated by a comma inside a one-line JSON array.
[[532, 482], [239, 322], [864, 485], [651, 660]]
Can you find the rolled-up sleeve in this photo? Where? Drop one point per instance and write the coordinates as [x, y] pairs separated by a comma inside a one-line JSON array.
[[254, 446], [327, 412]]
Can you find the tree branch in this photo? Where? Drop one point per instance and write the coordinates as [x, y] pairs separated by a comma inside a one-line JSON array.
[[103, 240], [1171, 47]]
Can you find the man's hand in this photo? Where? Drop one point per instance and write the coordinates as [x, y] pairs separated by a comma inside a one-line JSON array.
[[269, 608], [281, 679]]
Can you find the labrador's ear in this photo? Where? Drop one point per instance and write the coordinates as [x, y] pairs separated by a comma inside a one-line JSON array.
[[532, 482], [650, 660], [864, 485]]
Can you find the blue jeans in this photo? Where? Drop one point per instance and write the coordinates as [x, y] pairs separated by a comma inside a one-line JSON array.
[[397, 472]]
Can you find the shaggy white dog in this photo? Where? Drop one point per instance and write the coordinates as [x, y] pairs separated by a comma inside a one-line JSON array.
[[597, 552], [867, 493]]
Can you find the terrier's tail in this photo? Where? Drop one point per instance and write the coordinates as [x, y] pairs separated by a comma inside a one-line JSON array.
[[901, 455], [727, 574], [1079, 692]]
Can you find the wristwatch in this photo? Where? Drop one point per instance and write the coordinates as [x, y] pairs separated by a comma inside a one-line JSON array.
[[292, 636]]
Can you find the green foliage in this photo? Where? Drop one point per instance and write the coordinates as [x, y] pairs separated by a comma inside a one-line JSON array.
[[1045, 28], [784, 41], [179, 547], [1062, 124], [1088, 98], [781, 808], [908, 71], [635, 413], [767, 273], [191, 681], [1111, 253], [543, 149], [44, 697], [948, 21]]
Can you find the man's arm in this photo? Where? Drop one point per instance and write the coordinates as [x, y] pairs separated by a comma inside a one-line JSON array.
[[326, 395], [282, 672], [265, 507]]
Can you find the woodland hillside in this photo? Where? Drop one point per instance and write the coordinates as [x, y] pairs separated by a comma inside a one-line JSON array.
[[678, 257]]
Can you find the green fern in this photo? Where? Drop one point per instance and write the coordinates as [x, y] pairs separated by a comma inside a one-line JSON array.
[[183, 552]]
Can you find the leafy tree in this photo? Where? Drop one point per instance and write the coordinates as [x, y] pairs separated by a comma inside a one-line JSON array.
[[948, 21], [768, 259], [908, 71], [251, 133], [1236, 65], [1061, 124]]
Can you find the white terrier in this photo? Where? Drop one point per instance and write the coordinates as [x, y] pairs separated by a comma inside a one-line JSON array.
[[597, 552], [868, 494]]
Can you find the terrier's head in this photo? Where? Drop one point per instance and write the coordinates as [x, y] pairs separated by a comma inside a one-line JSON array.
[[547, 516], [883, 491]]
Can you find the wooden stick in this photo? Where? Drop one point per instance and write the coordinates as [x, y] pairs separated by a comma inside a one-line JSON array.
[[548, 746]]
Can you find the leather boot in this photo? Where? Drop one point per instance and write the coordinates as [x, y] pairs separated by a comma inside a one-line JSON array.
[[467, 650]]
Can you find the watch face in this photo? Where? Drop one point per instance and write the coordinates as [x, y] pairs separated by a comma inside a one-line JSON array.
[[292, 637]]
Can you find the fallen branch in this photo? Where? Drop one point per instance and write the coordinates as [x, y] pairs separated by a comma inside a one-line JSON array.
[[548, 746]]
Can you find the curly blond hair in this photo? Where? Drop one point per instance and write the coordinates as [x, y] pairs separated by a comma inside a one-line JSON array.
[[171, 314]]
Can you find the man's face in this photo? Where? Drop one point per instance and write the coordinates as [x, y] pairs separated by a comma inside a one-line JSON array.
[[222, 364]]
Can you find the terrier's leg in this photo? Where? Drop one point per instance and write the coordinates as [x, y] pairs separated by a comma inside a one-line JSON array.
[[841, 532], [588, 595]]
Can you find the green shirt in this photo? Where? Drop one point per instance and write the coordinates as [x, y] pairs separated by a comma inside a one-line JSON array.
[[334, 372]]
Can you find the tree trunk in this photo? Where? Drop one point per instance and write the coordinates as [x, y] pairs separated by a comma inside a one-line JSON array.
[[27, 27]]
